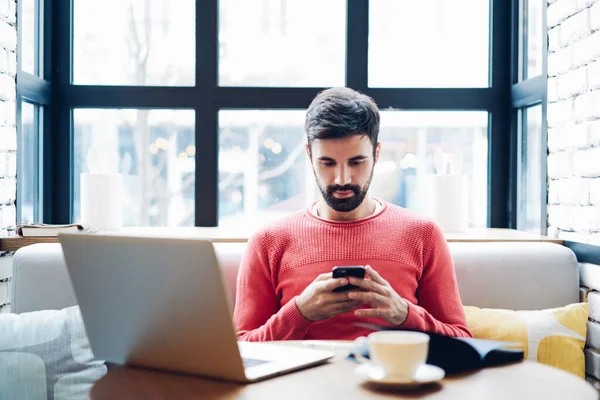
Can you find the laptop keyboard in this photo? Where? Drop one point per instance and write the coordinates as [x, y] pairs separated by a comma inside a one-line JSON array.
[[251, 362]]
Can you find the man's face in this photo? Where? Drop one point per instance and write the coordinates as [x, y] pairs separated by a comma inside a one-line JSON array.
[[343, 169]]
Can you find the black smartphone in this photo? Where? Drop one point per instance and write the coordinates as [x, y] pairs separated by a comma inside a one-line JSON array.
[[357, 271]]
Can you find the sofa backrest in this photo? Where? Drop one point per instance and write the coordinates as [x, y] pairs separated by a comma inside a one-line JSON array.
[[511, 275]]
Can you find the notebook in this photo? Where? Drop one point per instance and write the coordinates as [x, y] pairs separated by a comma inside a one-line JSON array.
[[456, 355], [50, 230]]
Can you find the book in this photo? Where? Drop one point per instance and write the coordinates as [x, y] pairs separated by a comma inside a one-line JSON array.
[[457, 355], [49, 230]]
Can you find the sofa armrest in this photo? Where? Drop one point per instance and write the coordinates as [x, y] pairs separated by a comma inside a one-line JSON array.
[[40, 279]]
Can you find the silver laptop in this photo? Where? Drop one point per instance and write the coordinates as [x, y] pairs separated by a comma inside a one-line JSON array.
[[162, 303]]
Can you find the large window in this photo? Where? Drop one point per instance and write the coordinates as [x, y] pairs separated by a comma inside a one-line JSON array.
[[264, 172], [532, 156], [263, 168], [31, 103], [410, 140], [533, 30], [200, 103], [529, 104], [153, 150], [28, 191], [148, 42], [282, 43], [429, 43], [29, 34]]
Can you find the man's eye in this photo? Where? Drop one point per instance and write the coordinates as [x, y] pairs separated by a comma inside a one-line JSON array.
[[327, 163], [356, 162]]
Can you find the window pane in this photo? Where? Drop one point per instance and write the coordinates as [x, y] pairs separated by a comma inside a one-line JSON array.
[[531, 179], [409, 142], [28, 182], [428, 43], [265, 174], [263, 169], [153, 149], [134, 42], [532, 37], [282, 42], [28, 37]]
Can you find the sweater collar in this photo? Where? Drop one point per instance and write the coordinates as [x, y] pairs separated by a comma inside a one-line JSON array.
[[379, 210]]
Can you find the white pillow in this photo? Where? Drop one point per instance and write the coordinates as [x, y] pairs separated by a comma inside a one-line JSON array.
[[46, 355]]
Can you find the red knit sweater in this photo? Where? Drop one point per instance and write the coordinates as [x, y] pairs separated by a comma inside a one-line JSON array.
[[408, 250]]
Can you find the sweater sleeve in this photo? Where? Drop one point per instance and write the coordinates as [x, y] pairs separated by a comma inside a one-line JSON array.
[[440, 309], [258, 314]]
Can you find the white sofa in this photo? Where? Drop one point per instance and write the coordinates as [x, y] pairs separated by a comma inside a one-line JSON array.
[[510, 275]]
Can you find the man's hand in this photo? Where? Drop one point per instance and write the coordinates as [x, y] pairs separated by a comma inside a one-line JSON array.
[[377, 293], [318, 302]]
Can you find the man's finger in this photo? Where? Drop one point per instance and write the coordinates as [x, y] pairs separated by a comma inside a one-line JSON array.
[[324, 277], [346, 306], [374, 275], [340, 297], [331, 284], [370, 298], [369, 312], [369, 285], [350, 303]]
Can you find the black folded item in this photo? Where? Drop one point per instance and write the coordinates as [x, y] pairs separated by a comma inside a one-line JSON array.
[[456, 355]]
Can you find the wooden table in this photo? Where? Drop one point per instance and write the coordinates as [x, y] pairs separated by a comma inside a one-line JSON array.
[[240, 235], [336, 380]]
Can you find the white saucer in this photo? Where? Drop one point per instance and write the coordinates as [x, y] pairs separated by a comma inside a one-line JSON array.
[[425, 374]]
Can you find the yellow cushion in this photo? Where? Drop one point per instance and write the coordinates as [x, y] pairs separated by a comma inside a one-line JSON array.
[[554, 337]]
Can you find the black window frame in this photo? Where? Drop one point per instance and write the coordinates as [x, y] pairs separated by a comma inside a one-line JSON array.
[[207, 98]]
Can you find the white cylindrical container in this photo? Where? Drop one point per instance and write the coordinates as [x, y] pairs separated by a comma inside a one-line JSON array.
[[448, 201], [101, 200]]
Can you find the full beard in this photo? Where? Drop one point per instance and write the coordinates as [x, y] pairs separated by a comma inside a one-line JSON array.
[[346, 204]]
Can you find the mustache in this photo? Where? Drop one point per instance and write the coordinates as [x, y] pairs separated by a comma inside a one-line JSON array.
[[344, 188]]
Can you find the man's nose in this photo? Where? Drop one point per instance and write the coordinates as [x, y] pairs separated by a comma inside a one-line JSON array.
[[342, 176]]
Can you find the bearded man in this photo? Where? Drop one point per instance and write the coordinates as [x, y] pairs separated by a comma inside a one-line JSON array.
[[285, 287]]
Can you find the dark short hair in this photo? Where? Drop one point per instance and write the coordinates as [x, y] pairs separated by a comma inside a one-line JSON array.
[[338, 113]]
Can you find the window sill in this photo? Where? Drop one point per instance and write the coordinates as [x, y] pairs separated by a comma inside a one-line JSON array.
[[221, 235]]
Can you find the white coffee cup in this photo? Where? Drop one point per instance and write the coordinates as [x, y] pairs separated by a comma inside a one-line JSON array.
[[397, 353]]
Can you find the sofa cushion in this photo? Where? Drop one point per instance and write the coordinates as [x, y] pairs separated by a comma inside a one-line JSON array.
[[230, 256], [5, 266], [593, 299], [590, 275], [516, 276], [46, 355], [40, 279], [5, 287], [554, 337], [593, 334], [592, 363]]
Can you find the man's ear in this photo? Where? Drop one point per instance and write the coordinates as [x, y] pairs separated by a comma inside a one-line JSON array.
[[377, 149], [307, 149]]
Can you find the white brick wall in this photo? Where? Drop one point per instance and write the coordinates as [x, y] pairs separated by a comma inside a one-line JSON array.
[[574, 119], [574, 124]]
